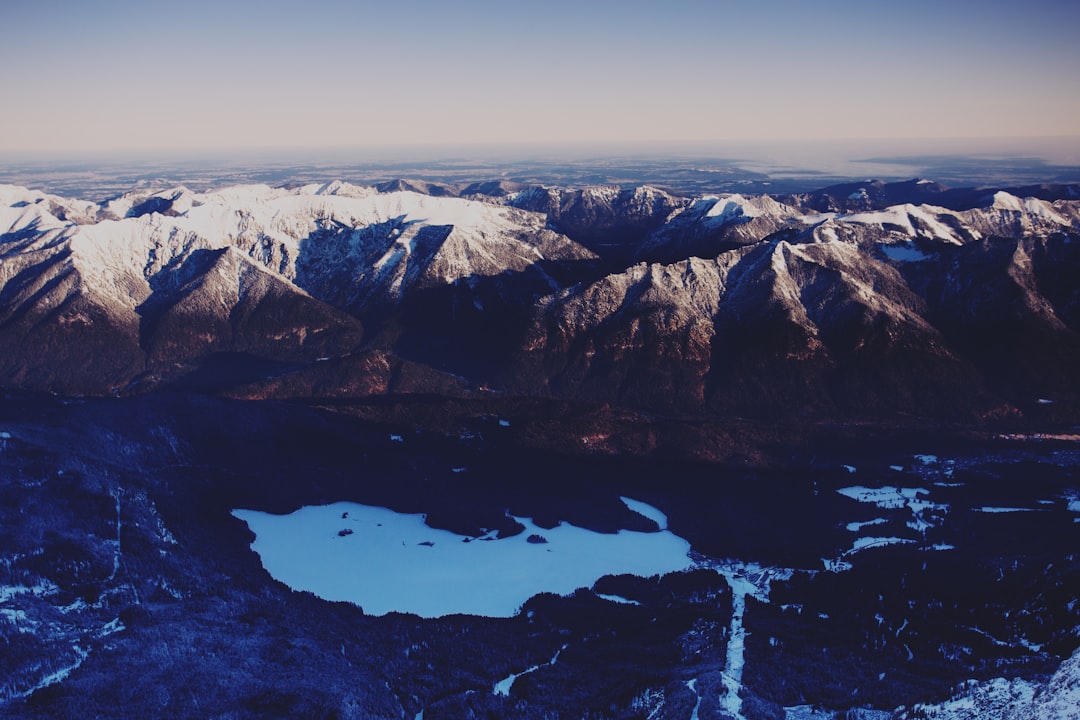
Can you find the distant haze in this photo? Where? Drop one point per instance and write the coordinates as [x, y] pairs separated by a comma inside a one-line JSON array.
[[126, 76]]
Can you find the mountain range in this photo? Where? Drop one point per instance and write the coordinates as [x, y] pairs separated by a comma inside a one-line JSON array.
[[899, 300]]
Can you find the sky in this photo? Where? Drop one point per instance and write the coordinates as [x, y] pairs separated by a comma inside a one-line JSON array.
[[121, 75]]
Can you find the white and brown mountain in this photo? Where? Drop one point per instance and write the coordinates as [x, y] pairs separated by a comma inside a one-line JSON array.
[[817, 305]]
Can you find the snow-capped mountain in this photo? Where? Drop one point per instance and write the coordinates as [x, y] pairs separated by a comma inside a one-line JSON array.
[[728, 303], [147, 280]]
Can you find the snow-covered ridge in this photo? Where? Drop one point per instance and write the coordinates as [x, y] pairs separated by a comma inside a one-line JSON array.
[[120, 246]]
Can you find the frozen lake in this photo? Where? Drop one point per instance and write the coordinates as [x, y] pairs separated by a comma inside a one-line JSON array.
[[386, 561]]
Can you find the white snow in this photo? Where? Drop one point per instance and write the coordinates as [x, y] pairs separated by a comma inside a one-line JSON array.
[[912, 220], [1028, 206], [646, 510], [986, 509], [744, 579], [836, 565], [864, 543], [850, 468], [504, 423], [43, 588], [728, 209], [111, 628], [1074, 502], [503, 686], [383, 566], [924, 514], [888, 497], [617, 599], [735, 661], [691, 685], [1007, 201], [857, 526], [58, 675], [938, 547], [118, 254]]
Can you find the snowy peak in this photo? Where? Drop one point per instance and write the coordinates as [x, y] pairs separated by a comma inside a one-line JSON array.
[[711, 225], [334, 232], [736, 208], [18, 202]]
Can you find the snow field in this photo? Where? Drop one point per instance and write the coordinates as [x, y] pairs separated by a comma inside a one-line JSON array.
[[386, 561]]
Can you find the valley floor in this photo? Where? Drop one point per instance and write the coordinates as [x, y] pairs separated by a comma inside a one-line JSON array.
[[873, 573]]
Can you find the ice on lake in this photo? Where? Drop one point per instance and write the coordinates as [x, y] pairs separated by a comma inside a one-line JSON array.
[[385, 561]]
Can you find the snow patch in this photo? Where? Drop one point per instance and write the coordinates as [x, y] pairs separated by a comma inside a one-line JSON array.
[[1074, 502], [864, 543], [857, 526], [43, 588], [888, 497], [503, 686], [646, 510], [731, 207]]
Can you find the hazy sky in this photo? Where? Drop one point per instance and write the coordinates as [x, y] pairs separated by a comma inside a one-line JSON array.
[[139, 74]]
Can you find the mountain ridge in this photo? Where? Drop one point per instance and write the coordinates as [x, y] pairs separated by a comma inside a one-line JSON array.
[[719, 305]]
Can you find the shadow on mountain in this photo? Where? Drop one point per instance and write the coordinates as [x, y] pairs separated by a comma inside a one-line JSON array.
[[151, 205], [170, 286], [473, 327], [31, 229], [221, 372], [213, 311]]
